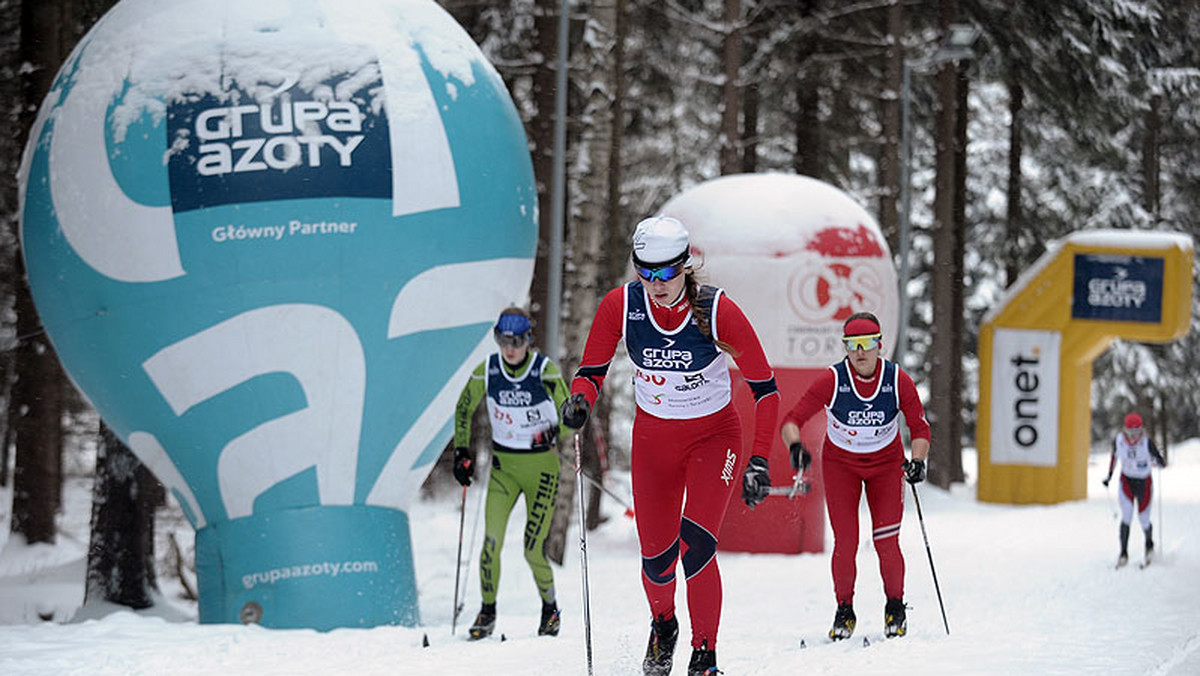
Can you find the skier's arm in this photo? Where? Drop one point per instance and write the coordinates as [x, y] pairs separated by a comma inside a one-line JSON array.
[[468, 399], [819, 393], [556, 387], [914, 415], [1112, 462], [1158, 457], [601, 345], [734, 329]]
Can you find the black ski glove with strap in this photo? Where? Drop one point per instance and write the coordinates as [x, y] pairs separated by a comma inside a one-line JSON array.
[[801, 458], [756, 481], [464, 466], [575, 411], [914, 471]]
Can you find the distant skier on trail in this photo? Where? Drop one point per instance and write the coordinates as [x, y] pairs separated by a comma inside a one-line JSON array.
[[524, 391], [1136, 451], [687, 435], [863, 396]]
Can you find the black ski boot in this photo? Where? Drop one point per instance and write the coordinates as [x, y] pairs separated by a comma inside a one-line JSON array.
[[895, 623], [1149, 544], [1123, 533], [551, 619], [485, 622], [843, 622], [704, 662], [660, 651]]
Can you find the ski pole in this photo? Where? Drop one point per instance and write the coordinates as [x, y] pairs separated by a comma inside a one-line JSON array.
[[462, 519], [583, 562], [921, 518], [1162, 542], [618, 500]]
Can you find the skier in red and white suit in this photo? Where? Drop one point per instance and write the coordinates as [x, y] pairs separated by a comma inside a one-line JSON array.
[[863, 395], [687, 435], [1138, 455]]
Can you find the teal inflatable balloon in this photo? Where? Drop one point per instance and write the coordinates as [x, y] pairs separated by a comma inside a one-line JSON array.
[[268, 240]]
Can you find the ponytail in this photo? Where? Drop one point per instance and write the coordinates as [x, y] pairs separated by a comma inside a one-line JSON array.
[[702, 311]]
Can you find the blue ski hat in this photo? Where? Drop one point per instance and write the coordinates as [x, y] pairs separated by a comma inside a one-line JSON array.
[[513, 324]]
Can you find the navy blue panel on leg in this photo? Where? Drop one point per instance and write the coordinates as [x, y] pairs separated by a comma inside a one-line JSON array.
[[702, 547], [660, 569]]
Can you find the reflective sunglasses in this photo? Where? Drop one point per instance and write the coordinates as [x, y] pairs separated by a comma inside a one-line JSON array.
[[663, 273], [510, 340], [867, 342], [1133, 432]]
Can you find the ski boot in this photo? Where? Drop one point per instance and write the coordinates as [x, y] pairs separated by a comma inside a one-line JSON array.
[[1149, 546], [551, 619], [895, 623], [1122, 559], [485, 622], [704, 662], [660, 652], [843, 622]]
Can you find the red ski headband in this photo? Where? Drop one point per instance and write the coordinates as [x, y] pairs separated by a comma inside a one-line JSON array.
[[861, 326]]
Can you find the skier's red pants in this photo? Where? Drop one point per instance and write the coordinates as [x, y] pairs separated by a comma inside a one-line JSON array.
[[845, 476], [699, 457]]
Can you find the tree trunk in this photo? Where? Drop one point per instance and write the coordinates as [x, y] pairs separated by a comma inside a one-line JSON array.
[[1013, 219], [35, 404], [889, 173], [1151, 192], [807, 160], [731, 90], [120, 566], [11, 141], [945, 406], [590, 255], [541, 140]]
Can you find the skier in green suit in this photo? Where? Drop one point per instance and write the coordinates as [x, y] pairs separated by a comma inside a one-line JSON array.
[[524, 392]]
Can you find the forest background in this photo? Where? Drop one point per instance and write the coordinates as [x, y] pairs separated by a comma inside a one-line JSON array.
[[1064, 116]]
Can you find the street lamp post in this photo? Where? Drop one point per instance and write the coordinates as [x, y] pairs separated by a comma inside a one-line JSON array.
[[553, 345], [956, 46]]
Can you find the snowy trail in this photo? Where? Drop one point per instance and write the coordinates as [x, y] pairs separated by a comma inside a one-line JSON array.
[[1028, 590]]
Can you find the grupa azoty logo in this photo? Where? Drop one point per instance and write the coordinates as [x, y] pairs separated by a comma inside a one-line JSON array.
[[268, 241]]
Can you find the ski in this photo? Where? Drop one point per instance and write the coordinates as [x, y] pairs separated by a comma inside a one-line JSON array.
[[867, 640]]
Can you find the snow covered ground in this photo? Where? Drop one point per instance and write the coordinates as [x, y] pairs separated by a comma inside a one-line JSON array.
[[1028, 590]]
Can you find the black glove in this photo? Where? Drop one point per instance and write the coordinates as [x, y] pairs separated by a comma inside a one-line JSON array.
[[575, 411], [756, 481], [914, 471], [544, 440], [1105, 480], [464, 466], [801, 458]]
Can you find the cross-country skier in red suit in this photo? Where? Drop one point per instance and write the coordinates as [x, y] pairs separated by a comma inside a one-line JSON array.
[[687, 436], [862, 395]]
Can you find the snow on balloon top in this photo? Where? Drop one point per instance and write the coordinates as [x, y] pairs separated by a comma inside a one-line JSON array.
[[152, 52], [782, 241], [777, 215]]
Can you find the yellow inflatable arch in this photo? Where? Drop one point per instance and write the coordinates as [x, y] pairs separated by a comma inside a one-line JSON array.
[[1037, 346]]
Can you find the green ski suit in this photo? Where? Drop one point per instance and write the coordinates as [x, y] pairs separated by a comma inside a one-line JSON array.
[[522, 401]]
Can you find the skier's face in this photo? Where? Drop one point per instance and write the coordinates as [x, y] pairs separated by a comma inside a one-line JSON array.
[[514, 354], [1133, 433], [665, 293], [863, 354]]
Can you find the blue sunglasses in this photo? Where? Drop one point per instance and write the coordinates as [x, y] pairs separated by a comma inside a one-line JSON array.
[[664, 273]]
